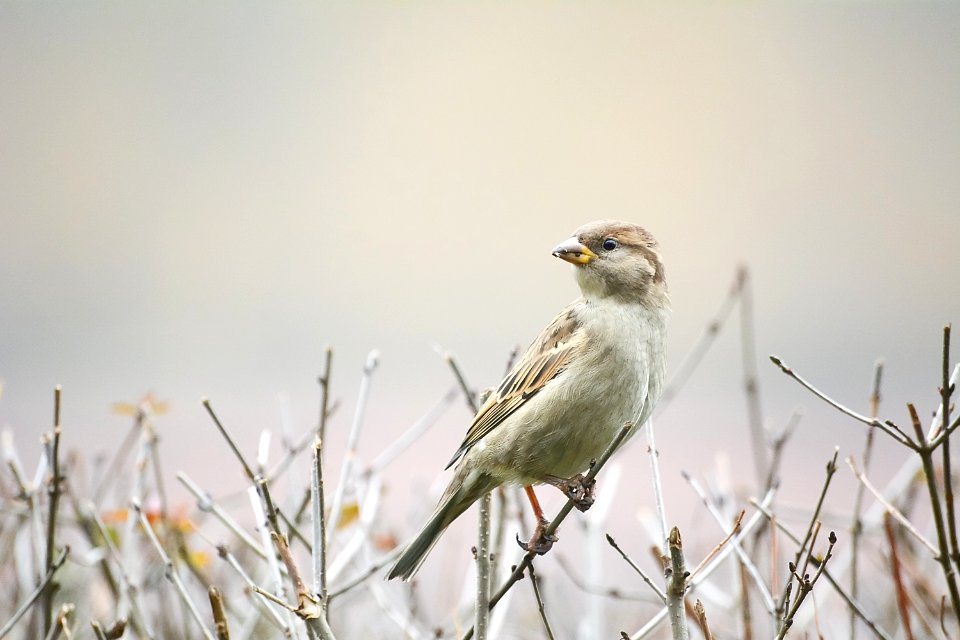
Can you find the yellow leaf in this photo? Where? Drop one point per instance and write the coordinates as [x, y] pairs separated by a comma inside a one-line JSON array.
[[123, 409], [199, 559], [348, 514]]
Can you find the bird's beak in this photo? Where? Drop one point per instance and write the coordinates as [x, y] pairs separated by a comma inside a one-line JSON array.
[[573, 252]]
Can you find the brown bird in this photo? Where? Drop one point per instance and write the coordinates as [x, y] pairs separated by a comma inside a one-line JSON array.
[[598, 364]]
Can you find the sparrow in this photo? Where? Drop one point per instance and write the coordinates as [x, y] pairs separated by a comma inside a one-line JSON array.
[[599, 364]]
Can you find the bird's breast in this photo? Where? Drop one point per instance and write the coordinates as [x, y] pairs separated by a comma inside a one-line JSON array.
[[613, 378]]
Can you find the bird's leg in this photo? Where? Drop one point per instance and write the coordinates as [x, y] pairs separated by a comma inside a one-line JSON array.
[[539, 542], [574, 488]]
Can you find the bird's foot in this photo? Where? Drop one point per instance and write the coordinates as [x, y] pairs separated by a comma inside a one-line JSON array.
[[575, 488], [539, 543]]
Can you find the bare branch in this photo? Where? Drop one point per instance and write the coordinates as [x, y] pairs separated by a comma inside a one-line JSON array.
[[170, 572], [657, 485], [676, 587], [640, 572], [853, 604], [899, 588], [557, 520], [857, 526], [219, 614], [54, 490], [32, 598], [540, 606], [319, 523], [373, 359], [887, 427], [891, 508], [226, 436], [702, 620], [482, 557]]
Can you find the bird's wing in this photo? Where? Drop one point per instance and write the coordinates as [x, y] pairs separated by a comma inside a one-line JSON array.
[[546, 357]]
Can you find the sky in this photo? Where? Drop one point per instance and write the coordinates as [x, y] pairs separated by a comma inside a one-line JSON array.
[[195, 200]]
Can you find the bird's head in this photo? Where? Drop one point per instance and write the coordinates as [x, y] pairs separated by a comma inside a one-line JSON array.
[[618, 260]]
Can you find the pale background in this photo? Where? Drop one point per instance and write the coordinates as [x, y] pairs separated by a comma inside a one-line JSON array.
[[195, 199]]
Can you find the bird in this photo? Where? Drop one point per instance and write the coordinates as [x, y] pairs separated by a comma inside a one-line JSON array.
[[597, 365]]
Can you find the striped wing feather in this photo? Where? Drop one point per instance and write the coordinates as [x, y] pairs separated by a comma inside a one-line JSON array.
[[543, 360]]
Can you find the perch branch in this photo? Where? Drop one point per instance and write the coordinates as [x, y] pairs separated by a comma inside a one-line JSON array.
[[557, 520]]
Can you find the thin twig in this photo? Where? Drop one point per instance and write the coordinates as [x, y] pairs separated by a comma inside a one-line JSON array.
[[292, 452], [265, 527], [273, 519], [53, 492], [219, 614], [153, 447], [746, 617], [887, 427], [368, 510], [263, 452], [856, 529], [319, 524], [324, 381], [747, 563], [701, 574], [112, 470], [676, 587], [411, 435], [353, 439], [272, 614], [469, 395], [371, 571], [758, 434], [614, 593], [557, 520], [61, 622], [899, 588], [130, 553], [945, 393], [540, 606], [702, 620], [308, 608], [482, 550], [806, 546], [730, 538], [32, 598], [657, 485], [804, 587], [853, 604], [99, 632], [226, 436], [170, 572], [206, 504], [925, 451], [89, 529], [831, 470], [594, 615], [693, 357], [499, 534], [776, 448], [650, 583], [129, 593], [482, 553], [891, 508]]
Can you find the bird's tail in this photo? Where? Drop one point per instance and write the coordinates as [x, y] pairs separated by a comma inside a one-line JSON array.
[[449, 509]]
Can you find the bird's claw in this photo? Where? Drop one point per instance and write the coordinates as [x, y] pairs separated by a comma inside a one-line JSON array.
[[539, 543], [577, 489]]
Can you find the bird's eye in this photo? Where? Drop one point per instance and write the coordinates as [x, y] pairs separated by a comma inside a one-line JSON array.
[[610, 244]]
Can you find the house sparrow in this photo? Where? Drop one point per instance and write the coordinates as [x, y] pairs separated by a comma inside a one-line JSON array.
[[597, 365]]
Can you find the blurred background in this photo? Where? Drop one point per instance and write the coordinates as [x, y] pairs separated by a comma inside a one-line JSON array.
[[196, 199]]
